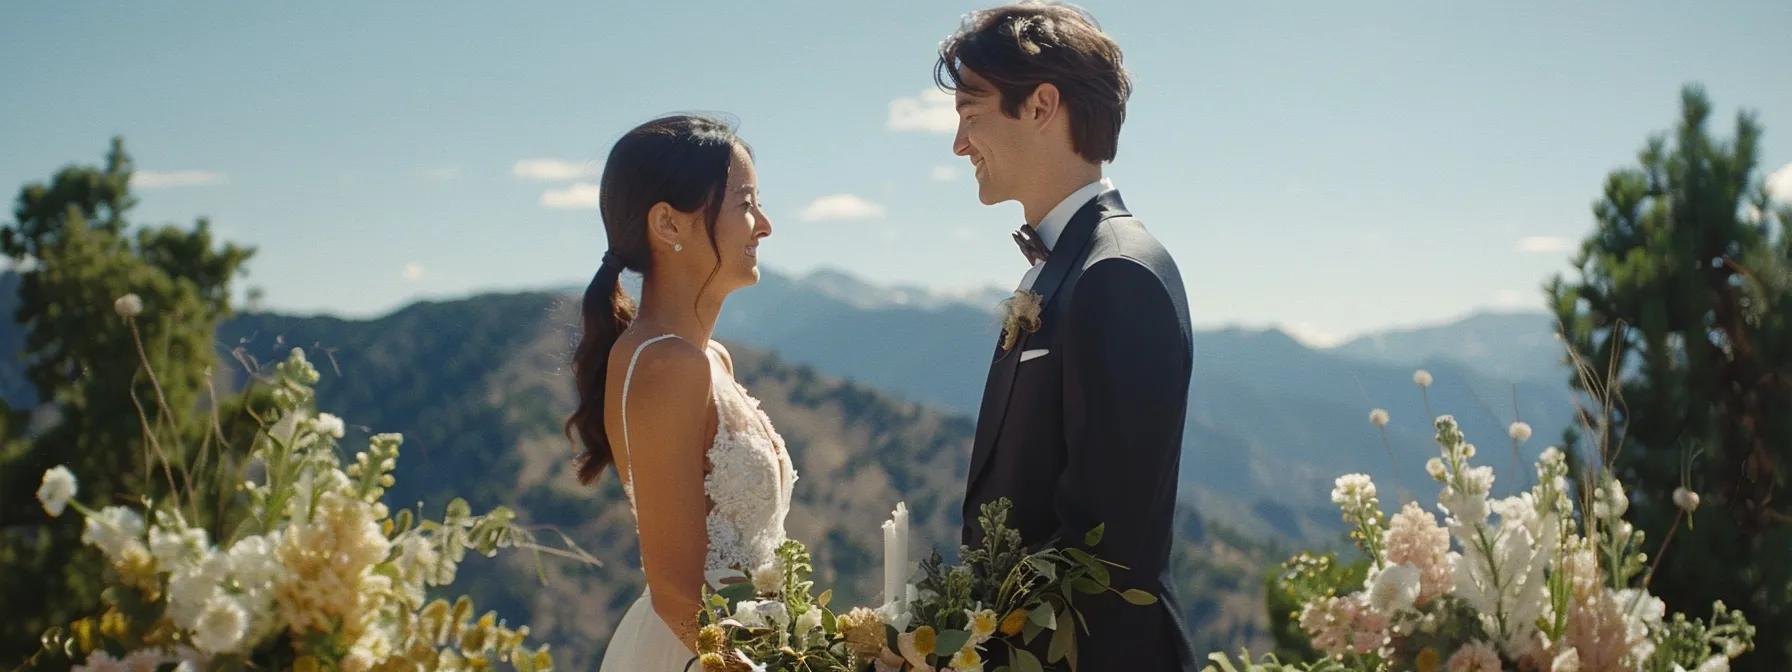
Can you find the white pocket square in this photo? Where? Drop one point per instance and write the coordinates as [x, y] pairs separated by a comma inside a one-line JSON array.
[[1033, 354]]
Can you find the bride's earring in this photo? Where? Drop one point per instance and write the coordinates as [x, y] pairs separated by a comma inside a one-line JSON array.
[[678, 247]]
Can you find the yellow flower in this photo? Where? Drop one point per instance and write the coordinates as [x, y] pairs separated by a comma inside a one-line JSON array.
[[710, 638], [1011, 626], [864, 632], [305, 664], [926, 639], [983, 624], [713, 662], [917, 646], [1428, 660], [967, 660]]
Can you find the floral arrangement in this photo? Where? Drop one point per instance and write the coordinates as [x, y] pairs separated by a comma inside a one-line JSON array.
[[1525, 582], [1002, 595], [318, 576]]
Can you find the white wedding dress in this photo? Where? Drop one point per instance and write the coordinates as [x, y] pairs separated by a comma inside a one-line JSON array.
[[749, 486]]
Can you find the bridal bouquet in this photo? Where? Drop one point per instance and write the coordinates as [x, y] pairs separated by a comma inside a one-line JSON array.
[[1000, 595], [767, 620], [318, 575], [1520, 583]]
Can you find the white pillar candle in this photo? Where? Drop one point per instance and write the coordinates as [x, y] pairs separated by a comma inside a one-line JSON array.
[[896, 554]]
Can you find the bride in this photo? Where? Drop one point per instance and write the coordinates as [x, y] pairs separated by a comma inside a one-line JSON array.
[[706, 475]]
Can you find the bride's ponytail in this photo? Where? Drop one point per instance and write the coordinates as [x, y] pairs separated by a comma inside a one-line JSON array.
[[607, 312], [681, 161]]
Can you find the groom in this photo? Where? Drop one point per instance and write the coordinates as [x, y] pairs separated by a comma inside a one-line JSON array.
[[1082, 412]]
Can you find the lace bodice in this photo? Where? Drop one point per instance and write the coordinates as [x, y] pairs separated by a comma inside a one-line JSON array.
[[750, 478]]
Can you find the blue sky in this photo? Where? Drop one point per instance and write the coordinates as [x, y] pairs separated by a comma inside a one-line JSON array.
[[1329, 167]]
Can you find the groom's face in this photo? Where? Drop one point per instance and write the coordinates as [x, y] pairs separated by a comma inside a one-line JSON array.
[[995, 143]]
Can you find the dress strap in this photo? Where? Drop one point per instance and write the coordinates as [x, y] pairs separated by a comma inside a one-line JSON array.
[[628, 378]]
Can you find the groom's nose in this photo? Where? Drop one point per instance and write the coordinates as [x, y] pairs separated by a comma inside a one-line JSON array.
[[960, 144]]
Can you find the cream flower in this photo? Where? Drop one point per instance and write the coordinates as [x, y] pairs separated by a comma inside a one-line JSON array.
[[1378, 417], [1020, 312], [58, 487], [128, 306], [221, 627], [1687, 500], [768, 579], [1519, 431], [1422, 378], [328, 425]]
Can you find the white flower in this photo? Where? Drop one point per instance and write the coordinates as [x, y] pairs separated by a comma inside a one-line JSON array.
[[113, 530], [1687, 500], [100, 661], [1394, 588], [143, 660], [768, 579], [128, 306], [1519, 431], [1422, 378], [1714, 664], [220, 628], [1378, 417], [328, 425], [1435, 467], [58, 487], [808, 623], [192, 588], [775, 613], [747, 613], [174, 544], [1566, 661], [1609, 500]]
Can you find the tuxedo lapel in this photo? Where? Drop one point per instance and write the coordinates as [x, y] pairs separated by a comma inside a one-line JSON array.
[[1065, 256]]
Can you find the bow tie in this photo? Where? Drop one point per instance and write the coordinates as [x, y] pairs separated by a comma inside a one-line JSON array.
[[1031, 245]]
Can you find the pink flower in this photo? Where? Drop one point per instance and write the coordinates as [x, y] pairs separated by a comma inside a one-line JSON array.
[[1340, 625], [1475, 657], [1414, 538]]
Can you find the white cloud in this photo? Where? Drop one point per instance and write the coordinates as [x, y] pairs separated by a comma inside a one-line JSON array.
[[1544, 245], [553, 170], [162, 179], [1779, 184], [1512, 298], [945, 172], [413, 271], [577, 196], [1312, 335], [929, 112], [841, 206]]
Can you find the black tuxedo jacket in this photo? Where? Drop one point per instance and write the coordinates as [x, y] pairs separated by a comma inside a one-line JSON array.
[[1090, 431]]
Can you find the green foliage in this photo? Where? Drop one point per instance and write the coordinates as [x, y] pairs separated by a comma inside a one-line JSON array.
[[1304, 578], [1685, 291], [108, 387]]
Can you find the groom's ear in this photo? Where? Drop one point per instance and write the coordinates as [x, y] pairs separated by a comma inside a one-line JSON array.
[[1043, 106]]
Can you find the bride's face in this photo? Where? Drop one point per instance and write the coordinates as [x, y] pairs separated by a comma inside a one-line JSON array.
[[740, 226]]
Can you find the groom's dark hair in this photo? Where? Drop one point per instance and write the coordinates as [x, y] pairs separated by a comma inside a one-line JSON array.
[[1018, 47]]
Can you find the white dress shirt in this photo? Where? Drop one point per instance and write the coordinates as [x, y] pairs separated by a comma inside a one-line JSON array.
[[1053, 225]]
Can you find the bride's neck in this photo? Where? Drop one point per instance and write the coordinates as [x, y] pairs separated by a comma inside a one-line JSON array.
[[671, 306]]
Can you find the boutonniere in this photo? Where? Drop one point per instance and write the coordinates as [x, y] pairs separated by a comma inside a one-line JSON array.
[[1019, 313]]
